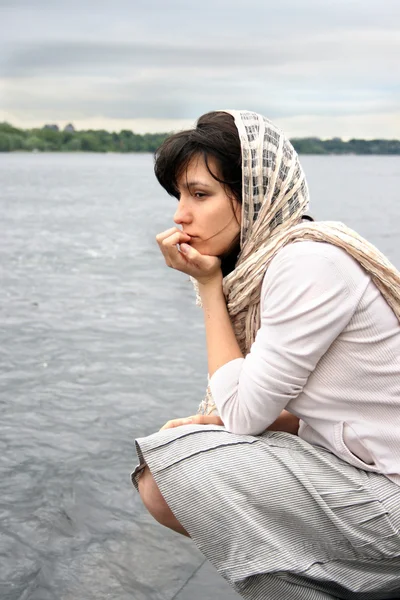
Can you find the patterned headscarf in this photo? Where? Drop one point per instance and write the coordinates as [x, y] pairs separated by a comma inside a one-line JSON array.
[[274, 199]]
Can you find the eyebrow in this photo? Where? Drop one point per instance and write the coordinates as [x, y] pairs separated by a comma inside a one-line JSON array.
[[191, 184]]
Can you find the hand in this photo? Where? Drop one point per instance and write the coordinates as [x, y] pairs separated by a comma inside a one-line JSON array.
[[202, 267], [195, 420]]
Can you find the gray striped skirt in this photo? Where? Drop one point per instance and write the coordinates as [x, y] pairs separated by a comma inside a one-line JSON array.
[[279, 518]]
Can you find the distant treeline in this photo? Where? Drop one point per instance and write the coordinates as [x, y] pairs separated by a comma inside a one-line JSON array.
[[51, 139]]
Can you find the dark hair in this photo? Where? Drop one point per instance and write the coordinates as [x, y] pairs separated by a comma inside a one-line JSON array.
[[215, 136]]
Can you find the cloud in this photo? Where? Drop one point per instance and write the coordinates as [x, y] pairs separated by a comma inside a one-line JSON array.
[[170, 60], [337, 52], [174, 96]]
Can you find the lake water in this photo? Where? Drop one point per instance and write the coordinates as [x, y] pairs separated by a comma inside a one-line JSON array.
[[100, 342]]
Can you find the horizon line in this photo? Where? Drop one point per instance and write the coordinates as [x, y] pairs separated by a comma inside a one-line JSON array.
[[60, 129]]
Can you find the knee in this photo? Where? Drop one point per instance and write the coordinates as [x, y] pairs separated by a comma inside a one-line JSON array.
[[156, 505], [152, 498]]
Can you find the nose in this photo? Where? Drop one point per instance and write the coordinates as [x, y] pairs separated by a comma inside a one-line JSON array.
[[182, 214]]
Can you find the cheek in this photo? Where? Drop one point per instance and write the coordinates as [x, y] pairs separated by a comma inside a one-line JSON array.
[[216, 218]]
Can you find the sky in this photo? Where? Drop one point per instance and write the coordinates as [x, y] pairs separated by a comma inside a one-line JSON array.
[[326, 68]]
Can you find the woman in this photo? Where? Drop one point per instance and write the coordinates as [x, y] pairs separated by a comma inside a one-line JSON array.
[[293, 489]]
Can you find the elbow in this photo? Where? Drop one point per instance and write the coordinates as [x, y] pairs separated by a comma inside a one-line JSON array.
[[239, 429], [241, 423]]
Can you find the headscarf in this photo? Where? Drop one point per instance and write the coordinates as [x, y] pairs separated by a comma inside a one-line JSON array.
[[274, 199]]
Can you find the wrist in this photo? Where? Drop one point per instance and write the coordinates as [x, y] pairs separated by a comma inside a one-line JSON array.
[[214, 281]]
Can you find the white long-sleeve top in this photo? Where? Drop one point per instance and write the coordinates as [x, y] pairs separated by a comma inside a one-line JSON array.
[[328, 350]]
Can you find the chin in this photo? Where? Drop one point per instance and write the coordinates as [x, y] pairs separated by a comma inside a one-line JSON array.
[[201, 247], [206, 248], [207, 251]]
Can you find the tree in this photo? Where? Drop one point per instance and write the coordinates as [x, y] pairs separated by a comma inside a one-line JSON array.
[[90, 142], [74, 145], [5, 145], [34, 143]]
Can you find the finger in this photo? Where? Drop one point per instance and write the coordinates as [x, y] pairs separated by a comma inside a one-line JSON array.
[[194, 419], [169, 248], [190, 253], [176, 423], [176, 238], [207, 420], [165, 234], [193, 257], [168, 425]]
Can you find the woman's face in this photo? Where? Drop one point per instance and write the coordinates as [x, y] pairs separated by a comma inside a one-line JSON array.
[[205, 212]]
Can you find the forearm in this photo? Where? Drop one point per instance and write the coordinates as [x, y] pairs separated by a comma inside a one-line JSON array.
[[285, 422], [222, 346]]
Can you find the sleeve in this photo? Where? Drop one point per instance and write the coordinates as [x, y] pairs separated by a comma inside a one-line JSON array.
[[305, 304]]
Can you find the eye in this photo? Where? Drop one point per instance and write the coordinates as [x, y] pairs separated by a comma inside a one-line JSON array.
[[199, 195]]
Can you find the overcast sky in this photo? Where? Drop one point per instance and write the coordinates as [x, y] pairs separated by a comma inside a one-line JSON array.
[[315, 67]]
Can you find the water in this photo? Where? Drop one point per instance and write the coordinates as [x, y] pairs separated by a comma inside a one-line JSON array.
[[100, 342]]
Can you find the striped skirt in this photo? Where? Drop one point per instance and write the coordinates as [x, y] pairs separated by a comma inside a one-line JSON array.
[[279, 518]]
